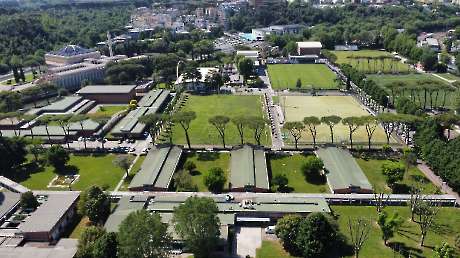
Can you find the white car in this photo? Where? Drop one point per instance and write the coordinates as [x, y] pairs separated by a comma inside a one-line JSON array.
[[270, 230]]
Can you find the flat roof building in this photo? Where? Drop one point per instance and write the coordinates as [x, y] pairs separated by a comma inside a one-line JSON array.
[[12, 186], [343, 172], [309, 48], [157, 170], [248, 169], [126, 205], [251, 54], [109, 94], [8, 203]]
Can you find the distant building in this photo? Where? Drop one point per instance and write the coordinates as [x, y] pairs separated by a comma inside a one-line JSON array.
[[309, 48], [109, 94], [70, 54], [259, 3], [346, 47], [251, 54], [260, 33]]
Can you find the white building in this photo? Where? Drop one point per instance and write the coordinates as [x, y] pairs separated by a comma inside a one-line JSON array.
[[70, 54], [260, 33], [200, 84]]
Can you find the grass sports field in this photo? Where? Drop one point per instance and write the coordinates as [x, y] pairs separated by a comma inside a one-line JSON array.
[[298, 107], [205, 107], [284, 76], [414, 79], [374, 66]]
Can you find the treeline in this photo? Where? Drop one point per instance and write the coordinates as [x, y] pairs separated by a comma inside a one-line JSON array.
[[439, 153]]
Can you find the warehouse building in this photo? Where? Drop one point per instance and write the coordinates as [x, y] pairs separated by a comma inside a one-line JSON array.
[[343, 172], [248, 169], [157, 170], [109, 94]]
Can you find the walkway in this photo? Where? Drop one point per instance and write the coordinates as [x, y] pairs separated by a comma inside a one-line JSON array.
[[436, 180]]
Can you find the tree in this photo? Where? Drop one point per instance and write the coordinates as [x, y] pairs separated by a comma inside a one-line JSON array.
[[183, 182], [371, 124], [220, 123], [331, 121], [215, 180], [312, 122], [57, 157], [409, 159], [257, 124], [298, 83], [46, 120], [444, 251], [142, 234], [123, 162], [95, 204], [295, 129], [393, 172], [80, 118], [28, 201], [287, 229], [380, 201], [13, 152], [151, 121], [189, 166], [246, 67], [87, 240], [64, 123], [429, 59], [241, 122], [312, 167], [389, 224], [196, 222], [105, 246], [358, 230], [353, 124], [427, 213], [281, 181], [184, 118], [35, 148], [318, 236], [388, 121]]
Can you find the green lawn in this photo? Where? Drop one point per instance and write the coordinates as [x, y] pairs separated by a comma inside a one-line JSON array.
[[372, 168], [134, 169], [284, 76], [80, 227], [110, 110], [272, 249], [373, 66], [414, 80], [93, 170], [291, 167], [446, 226], [205, 107], [204, 161], [449, 76], [298, 107], [29, 78]]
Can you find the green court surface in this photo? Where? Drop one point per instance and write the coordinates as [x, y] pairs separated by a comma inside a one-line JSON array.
[[291, 167], [202, 132], [374, 65], [298, 107], [204, 161], [285, 76]]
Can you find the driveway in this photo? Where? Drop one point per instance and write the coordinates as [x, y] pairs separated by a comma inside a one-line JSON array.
[[248, 239]]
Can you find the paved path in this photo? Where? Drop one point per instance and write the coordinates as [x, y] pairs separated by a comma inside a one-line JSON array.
[[272, 110], [247, 239], [436, 180], [442, 78]]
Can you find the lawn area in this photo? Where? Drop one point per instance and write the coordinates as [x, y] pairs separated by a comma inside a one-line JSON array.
[[372, 168], [93, 170], [272, 249], [134, 169], [78, 230], [291, 167], [446, 227], [284, 76], [110, 110], [204, 161], [374, 65], [205, 107], [298, 107], [415, 79], [29, 78]]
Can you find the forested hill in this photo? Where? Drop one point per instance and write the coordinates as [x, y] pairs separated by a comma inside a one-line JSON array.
[[24, 33]]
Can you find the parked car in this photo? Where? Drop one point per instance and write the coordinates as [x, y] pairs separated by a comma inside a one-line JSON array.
[[270, 230]]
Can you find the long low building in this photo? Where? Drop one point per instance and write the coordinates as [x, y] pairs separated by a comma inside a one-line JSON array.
[[157, 170], [154, 98], [343, 172], [109, 94], [249, 169]]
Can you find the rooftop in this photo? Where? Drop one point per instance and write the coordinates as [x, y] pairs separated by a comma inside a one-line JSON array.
[[45, 218], [309, 44], [71, 50], [249, 168], [126, 205], [107, 89], [342, 169], [12, 186], [8, 200], [154, 97]]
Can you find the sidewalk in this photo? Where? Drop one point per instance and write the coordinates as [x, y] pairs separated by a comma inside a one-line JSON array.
[[436, 180]]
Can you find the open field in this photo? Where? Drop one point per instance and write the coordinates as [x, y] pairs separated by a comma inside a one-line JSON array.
[[110, 110], [291, 166], [298, 107], [372, 168], [205, 107], [204, 161], [93, 170], [446, 226], [284, 76], [373, 66], [413, 80]]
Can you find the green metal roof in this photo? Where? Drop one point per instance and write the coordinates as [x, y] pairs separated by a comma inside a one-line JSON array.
[[249, 168], [59, 106], [342, 169], [126, 205], [150, 98], [158, 168]]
